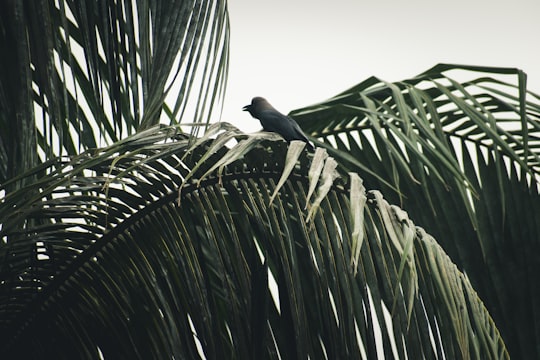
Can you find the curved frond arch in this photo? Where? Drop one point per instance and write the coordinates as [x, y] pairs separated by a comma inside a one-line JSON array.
[[107, 262]]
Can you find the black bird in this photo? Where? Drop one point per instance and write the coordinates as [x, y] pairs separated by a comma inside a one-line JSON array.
[[274, 121]]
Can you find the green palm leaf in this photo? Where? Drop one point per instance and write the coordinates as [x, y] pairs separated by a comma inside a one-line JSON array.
[[78, 75], [108, 263], [464, 158], [121, 238]]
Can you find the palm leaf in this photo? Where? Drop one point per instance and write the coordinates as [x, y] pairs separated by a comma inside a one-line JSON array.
[[78, 75], [107, 263], [464, 158]]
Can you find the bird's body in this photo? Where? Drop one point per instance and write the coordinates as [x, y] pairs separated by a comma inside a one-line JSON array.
[[274, 121]]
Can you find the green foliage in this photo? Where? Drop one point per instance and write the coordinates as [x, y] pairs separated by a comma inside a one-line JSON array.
[[464, 158], [78, 75], [115, 266], [125, 239]]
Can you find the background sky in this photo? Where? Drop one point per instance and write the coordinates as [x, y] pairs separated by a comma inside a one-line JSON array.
[[300, 52]]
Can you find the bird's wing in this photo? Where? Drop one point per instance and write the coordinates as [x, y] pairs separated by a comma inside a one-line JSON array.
[[289, 129], [274, 121], [298, 130], [300, 134]]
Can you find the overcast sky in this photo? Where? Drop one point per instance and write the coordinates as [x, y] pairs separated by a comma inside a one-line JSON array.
[[299, 52]]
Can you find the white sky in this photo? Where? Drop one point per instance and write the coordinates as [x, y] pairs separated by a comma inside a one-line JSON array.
[[300, 52]]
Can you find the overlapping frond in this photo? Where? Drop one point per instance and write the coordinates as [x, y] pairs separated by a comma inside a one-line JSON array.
[[108, 262], [463, 156], [84, 74]]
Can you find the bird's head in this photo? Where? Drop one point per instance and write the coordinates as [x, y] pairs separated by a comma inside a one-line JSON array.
[[257, 105]]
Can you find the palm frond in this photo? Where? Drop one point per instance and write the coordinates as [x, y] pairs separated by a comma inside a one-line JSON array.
[[80, 75], [464, 158], [107, 262]]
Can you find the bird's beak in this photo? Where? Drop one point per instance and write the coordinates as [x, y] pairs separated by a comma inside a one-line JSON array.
[[246, 108]]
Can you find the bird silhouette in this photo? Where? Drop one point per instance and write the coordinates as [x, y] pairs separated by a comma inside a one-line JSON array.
[[274, 121]]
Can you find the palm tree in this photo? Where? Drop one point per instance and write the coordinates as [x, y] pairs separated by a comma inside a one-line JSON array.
[[124, 238]]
